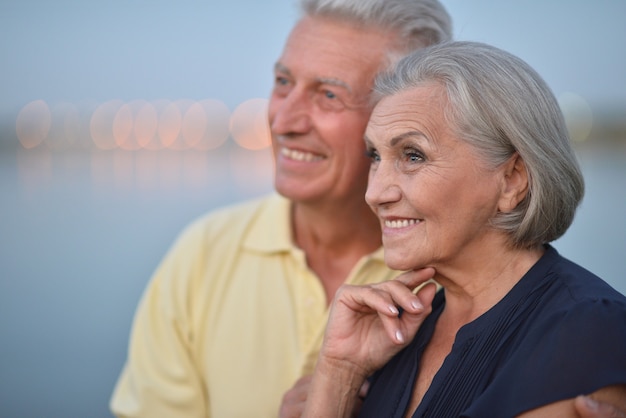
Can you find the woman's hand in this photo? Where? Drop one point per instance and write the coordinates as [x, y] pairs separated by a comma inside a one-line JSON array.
[[365, 328]]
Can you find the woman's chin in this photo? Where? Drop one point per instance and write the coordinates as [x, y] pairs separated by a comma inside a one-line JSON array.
[[399, 263]]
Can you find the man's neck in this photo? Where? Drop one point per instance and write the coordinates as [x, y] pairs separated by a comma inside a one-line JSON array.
[[334, 238]]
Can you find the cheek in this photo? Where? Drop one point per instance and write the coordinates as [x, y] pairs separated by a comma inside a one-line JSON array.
[[432, 196], [354, 159], [350, 125]]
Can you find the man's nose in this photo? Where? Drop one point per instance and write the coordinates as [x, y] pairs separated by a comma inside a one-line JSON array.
[[291, 114]]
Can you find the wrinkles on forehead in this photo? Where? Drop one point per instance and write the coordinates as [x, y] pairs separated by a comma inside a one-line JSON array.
[[337, 53]]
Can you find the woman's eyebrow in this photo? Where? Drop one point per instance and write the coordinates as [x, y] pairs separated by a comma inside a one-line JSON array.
[[404, 135]]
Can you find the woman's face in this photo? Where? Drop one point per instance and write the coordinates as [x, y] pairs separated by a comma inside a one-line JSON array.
[[433, 195]]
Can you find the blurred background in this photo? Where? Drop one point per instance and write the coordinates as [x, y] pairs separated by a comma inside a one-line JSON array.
[[121, 121]]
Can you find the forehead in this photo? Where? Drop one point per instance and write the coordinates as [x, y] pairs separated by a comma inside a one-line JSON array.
[[419, 108], [323, 48]]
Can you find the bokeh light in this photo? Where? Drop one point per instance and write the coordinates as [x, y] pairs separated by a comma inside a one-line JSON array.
[[175, 117], [578, 116], [33, 124], [184, 124], [249, 126], [216, 117], [135, 125], [146, 124], [102, 122], [123, 127], [170, 122], [65, 129], [194, 125]]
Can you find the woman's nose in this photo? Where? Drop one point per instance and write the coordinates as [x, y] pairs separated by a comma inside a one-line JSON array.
[[382, 187]]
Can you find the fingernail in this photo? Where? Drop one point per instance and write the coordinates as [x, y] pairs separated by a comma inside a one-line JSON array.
[[592, 404], [416, 305], [394, 310], [399, 336]]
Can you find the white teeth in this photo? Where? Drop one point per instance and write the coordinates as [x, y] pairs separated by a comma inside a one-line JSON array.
[[401, 223], [299, 155]]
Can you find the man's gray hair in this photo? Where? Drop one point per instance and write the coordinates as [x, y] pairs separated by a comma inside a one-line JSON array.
[[417, 23]]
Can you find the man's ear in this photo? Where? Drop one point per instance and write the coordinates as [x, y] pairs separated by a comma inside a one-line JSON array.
[[514, 183]]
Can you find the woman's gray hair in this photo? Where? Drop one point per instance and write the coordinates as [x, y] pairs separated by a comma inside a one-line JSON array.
[[500, 106], [418, 23]]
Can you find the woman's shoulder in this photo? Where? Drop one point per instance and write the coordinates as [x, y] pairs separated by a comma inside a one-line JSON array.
[[582, 287], [577, 313]]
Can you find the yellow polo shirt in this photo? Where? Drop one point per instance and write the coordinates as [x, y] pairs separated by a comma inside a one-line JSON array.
[[230, 320]]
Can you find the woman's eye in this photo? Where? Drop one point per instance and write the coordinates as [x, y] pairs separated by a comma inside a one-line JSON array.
[[372, 154], [413, 156]]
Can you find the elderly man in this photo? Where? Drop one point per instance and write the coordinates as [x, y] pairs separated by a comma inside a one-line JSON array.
[[235, 312]]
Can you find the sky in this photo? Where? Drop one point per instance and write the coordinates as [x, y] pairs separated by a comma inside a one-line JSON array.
[[84, 51]]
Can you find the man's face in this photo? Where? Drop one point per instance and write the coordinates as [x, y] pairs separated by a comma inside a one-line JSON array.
[[319, 109]]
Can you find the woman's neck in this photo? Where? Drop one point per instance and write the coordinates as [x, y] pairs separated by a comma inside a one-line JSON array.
[[483, 281]]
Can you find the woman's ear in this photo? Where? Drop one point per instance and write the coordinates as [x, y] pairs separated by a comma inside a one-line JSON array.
[[515, 183]]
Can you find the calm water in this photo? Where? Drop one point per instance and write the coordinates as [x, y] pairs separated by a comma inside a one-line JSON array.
[[81, 233]]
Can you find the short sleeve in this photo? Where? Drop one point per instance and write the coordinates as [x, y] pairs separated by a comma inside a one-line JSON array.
[[573, 351]]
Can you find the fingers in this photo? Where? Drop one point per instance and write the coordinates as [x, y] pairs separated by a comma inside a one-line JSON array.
[[365, 387], [359, 403], [410, 322], [387, 296], [294, 399], [389, 299], [590, 408], [414, 278], [426, 294]]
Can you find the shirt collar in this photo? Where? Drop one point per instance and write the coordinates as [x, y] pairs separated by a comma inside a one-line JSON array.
[[270, 230]]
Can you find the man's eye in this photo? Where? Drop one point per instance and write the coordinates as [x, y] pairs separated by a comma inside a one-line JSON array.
[[282, 86], [330, 101], [281, 81]]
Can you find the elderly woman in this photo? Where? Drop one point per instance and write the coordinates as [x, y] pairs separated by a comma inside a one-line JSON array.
[[472, 175]]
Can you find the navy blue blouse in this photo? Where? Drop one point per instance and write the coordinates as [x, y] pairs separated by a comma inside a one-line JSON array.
[[560, 332]]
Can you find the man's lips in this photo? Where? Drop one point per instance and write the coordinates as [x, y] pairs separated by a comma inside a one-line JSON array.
[[299, 155], [400, 223]]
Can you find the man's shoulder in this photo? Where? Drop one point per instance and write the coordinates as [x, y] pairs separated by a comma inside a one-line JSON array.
[[240, 212], [235, 219]]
